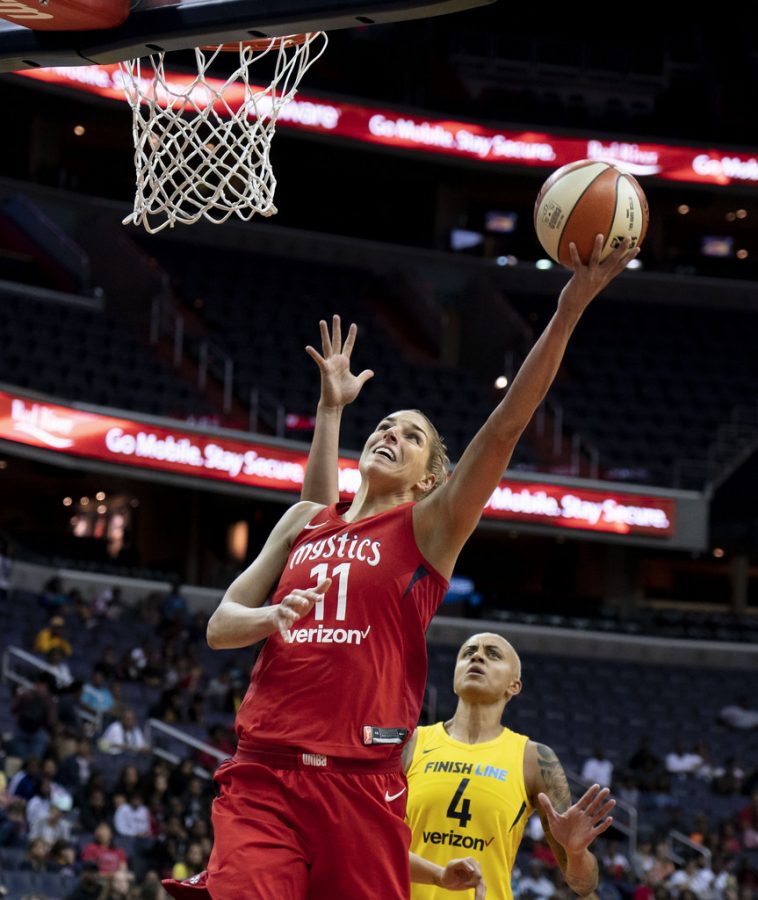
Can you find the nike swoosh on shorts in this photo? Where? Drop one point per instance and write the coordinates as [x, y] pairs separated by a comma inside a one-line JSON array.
[[390, 797]]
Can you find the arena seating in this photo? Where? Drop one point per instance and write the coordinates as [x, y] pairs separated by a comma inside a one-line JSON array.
[[78, 353]]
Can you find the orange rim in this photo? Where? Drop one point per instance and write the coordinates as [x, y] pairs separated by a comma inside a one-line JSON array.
[[260, 44]]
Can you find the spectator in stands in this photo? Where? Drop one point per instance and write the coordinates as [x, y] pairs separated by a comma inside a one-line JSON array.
[[191, 864], [61, 671], [76, 769], [26, 780], [152, 889], [97, 697], [615, 863], [642, 860], [95, 808], [49, 793], [217, 691], [663, 866], [747, 821], [90, 886], [52, 827], [108, 604], [196, 709], [118, 885], [645, 765], [537, 883], [62, 858], [133, 663], [52, 636], [196, 801], [13, 827], [724, 880], [128, 780], [729, 779], [644, 889], [36, 856], [69, 710], [626, 790], [739, 715], [706, 767], [53, 597], [132, 819], [108, 665], [700, 832], [696, 876], [682, 762], [173, 843], [169, 708], [220, 738], [124, 736], [598, 769], [101, 850], [158, 795], [154, 668], [179, 776], [36, 716], [80, 608], [174, 611]]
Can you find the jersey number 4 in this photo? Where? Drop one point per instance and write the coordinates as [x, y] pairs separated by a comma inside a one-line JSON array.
[[462, 815], [341, 573]]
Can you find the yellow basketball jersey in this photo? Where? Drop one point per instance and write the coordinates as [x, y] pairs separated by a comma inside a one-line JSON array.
[[467, 800]]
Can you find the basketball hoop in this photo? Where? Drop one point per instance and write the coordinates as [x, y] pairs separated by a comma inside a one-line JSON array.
[[202, 143]]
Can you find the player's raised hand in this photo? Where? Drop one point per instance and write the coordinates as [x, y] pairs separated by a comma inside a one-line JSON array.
[[587, 281], [339, 386], [578, 827], [295, 605], [462, 875]]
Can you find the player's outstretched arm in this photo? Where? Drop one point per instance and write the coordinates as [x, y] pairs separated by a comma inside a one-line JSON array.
[[444, 521], [241, 619], [569, 828], [457, 875], [339, 387]]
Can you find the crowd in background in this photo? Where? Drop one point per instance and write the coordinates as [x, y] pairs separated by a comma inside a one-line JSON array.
[[84, 797]]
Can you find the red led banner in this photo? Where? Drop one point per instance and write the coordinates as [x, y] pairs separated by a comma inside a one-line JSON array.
[[127, 442], [464, 140]]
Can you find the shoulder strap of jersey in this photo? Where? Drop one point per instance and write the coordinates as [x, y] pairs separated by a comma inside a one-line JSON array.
[[425, 737]]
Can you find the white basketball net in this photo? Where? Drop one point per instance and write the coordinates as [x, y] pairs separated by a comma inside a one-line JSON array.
[[202, 144]]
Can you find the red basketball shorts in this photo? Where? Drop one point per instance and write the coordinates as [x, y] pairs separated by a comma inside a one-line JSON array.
[[306, 827]]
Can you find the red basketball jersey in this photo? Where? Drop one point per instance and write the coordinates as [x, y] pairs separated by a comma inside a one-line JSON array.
[[358, 659]]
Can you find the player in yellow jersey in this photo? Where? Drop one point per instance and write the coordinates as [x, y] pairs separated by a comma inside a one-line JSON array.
[[472, 783]]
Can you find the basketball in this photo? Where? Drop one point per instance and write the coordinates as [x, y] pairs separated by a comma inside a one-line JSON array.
[[584, 199]]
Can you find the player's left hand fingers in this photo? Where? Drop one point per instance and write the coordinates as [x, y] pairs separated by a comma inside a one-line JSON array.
[[326, 341], [588, 797], [350, 339], [603, 811], [547, 806], [315, 356], [602, 826], [595, 800], [336, 334]]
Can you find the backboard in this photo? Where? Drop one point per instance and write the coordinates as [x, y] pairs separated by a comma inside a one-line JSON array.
[[155, 25]]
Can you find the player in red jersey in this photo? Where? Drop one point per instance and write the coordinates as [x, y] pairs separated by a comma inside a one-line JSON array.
[[317, 779]]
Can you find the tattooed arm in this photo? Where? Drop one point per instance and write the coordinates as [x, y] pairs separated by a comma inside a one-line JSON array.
[[569, 829]]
